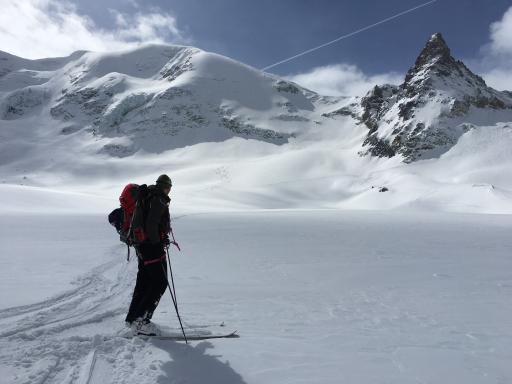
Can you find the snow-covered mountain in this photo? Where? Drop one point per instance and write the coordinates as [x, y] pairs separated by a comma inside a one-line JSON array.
[[438, 101], [161, 97], [154, 98], [233, 136]]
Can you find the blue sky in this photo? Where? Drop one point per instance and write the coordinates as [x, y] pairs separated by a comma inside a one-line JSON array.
[[262, 32]]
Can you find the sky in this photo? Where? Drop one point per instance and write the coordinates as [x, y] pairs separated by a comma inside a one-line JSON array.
[[260, 33]]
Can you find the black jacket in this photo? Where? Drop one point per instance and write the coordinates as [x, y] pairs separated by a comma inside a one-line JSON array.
[[158, 218]]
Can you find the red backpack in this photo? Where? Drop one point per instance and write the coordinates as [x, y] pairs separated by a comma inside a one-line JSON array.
[[130, 218], [128, 200], [133, 201]]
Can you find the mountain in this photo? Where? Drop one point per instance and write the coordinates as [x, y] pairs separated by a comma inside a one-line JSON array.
[[153, 98], [438, 101], [158, 97], [233, 137]]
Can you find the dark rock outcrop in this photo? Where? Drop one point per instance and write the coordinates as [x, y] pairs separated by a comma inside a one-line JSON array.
[[424, 116]]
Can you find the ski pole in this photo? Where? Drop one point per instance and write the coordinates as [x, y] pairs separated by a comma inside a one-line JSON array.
[[172, 278], [174, 242], [173, 295]]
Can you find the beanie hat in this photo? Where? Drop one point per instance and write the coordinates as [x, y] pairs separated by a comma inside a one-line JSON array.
[[164, 180]]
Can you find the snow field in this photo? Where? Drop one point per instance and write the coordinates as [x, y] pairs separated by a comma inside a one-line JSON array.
[[317, 296], [474, 177]]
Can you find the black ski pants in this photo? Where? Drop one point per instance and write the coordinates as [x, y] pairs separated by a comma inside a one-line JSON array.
[[151, 282]]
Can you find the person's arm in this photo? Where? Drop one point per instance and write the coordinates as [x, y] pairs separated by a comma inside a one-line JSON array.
[[156, 210]]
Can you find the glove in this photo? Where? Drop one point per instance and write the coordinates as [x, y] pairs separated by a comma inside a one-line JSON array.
[[166, 242]]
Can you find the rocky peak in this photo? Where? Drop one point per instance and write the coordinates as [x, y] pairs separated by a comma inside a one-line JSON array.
[[424, 116], [436, 49], [435, 66]]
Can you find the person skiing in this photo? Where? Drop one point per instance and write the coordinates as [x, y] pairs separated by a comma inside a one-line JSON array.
[[151, 280]]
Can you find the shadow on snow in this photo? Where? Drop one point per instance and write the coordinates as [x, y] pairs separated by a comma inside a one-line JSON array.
[[192, 365]]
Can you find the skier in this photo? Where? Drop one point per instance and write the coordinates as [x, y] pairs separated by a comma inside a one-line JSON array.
[[152, 272]]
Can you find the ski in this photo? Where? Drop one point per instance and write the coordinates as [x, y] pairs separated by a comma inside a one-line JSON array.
[[232, 335]]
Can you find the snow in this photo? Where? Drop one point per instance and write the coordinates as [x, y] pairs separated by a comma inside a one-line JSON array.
[[234, 174], [30, 200], [317, 296]]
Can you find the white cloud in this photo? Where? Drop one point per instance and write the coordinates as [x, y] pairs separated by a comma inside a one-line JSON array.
[[501, 35], [47, 28], [499, 78], [497, 55], [342, 80], [147, 27]]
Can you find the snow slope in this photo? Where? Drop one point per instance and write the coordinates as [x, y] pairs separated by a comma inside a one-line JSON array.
[[317, 296], [153, 98], [475, 176]]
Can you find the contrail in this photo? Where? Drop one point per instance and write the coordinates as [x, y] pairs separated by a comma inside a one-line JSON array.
[[350, 34]]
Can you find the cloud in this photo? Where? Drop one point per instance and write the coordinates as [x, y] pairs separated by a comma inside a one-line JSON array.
[[49, 28], [496, 60], [499, 78], [342, 80], [152, 27], [501, 32]]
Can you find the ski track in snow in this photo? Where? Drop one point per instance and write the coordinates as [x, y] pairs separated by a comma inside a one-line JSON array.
[[55, 340], [66, 338]]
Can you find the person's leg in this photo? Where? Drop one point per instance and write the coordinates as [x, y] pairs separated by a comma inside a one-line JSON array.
[[139, 292], [159, 285], [154, 279], [153, 292]]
